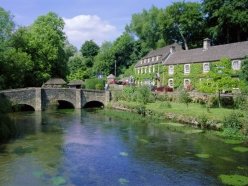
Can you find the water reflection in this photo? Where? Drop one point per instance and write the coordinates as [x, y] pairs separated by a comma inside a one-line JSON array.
[[74, 147]]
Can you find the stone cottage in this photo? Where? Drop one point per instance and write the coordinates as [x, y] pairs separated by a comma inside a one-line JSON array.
[[183, 64]]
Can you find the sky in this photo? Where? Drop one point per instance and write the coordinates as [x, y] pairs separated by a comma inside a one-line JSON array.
[[97, 20]]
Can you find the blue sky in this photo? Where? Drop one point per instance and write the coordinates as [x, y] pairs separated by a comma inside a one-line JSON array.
[[99, 20]]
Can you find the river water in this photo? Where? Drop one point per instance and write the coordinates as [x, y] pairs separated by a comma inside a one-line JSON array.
[[75, 148]]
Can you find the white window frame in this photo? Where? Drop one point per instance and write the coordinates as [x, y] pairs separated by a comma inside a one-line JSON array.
[[184, 82], [171, 69], [171, 82], [206, 67], [186, 71], [157, 58], [236, 64], [149, 69]]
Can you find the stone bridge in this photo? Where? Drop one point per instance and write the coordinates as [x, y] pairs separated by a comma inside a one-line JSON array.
[[40, 98]]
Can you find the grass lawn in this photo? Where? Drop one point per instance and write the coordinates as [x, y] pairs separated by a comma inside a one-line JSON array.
[[193, 109]]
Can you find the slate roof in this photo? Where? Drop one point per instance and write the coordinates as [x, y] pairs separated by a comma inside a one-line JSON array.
[[163, 52], [55, 81], [111, 76], [214, 53]]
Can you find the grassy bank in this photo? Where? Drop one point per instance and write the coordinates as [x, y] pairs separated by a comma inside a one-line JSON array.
[[193, 114]]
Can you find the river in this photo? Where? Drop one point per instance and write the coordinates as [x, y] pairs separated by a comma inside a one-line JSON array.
[[78, 147]]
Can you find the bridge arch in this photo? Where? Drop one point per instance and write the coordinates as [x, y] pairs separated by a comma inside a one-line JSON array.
[[65, 104], [93, 104], [22, 107]]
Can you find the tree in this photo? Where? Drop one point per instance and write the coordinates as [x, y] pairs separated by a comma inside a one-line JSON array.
[[183, 22], [145, 26], [89, 49], [244, 70], [227, 20], [46, 44], [6, 26], [78, 68], [105, 60], [69, 49], [123, 49]]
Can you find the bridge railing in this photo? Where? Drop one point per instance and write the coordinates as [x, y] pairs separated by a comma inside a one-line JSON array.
[[17, 89]]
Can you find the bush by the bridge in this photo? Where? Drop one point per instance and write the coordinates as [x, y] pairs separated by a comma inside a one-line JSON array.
[[94, 84]]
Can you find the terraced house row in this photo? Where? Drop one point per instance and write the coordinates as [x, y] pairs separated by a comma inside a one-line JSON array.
[[174, 67]]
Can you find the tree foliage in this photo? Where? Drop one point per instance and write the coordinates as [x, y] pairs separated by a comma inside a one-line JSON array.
[[146, 26], [226, 20], [89, 49], [183, 22]]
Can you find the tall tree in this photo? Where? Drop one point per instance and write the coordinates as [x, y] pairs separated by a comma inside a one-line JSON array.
[[105, 60], [47, 44], [227, 20], [123, 49], [78, 68], [183, 22], [89, 49], [6, 26], [145, 26]]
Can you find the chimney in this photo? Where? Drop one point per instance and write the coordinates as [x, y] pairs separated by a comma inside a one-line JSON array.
[[206, 44], [172, 49]]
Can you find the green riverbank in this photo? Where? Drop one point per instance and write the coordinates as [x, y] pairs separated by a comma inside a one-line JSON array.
[[192, 117]]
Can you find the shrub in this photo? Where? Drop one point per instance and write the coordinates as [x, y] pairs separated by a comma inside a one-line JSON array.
[[144, 95], [232, 121], [203, 121], [184, 97], [227, 102], [212, 101], [163, 97], [91, 83], [99, 86], [141, 109], [241, 102]]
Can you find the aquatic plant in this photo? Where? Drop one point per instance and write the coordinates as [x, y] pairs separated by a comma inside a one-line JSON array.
[[205, 156], [123, 181], [235, 180], [123, 153], [240, 149], [58, 180]]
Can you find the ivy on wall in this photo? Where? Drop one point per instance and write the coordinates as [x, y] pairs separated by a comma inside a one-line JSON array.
[[221, 76]]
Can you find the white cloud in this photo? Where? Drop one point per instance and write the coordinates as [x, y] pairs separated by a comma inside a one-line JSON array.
[[89, 27]]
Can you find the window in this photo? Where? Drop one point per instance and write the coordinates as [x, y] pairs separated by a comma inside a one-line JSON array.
[[236, 64], [144, 60], [153, 58], [171, 69], [171, 83], [157, 58], [141, 61], [206, 67], [186, 68], [150, 67], [186, 83]]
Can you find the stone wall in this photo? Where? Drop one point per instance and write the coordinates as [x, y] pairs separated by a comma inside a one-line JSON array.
[[40, 98]]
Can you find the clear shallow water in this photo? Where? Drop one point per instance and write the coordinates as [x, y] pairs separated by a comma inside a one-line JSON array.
[[74, 147]]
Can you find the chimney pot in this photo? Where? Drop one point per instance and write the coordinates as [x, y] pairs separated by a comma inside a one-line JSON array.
[[206, 44]]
